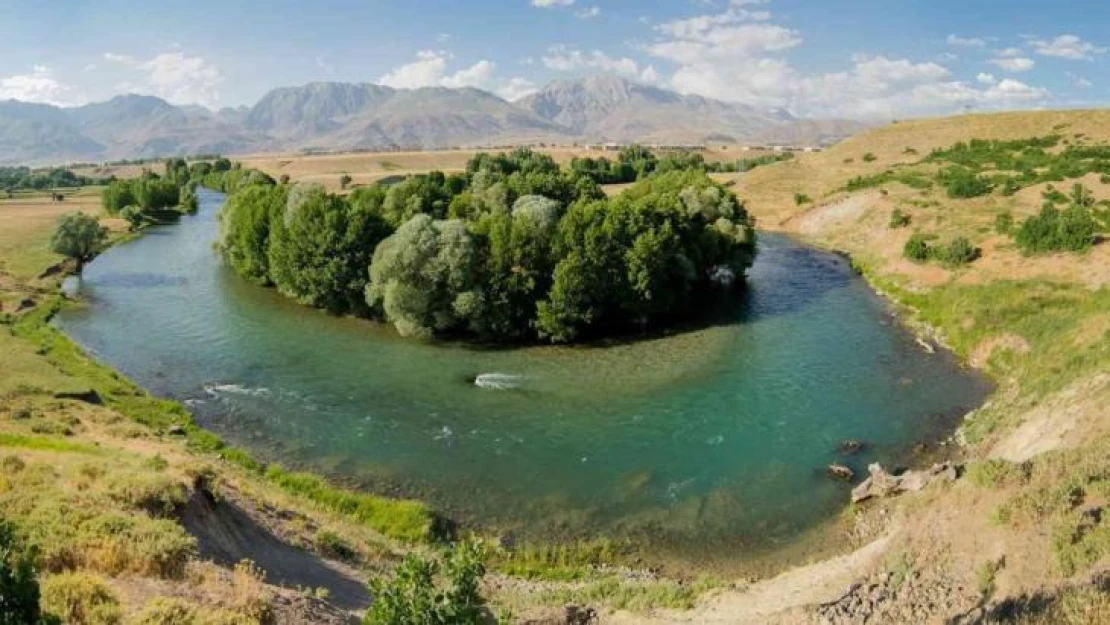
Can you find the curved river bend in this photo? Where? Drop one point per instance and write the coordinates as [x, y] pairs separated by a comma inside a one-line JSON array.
[[707, 438]]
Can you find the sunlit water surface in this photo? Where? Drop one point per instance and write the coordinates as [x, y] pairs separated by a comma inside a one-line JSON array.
[[710, 438]]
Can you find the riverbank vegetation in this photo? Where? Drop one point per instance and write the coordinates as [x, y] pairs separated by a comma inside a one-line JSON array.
[[514, 249]]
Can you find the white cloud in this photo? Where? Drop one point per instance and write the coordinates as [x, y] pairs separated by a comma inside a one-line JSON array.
[[1084, 83], [588, 13], [966, 42], [650, 75], [563, 59], [183, 79], [740, 56], [173, 76], [1009, 52], [547, 4], [1014, 64], [516, 88], [1066, 47], [986, 79], [477, 75], [430, 70], [37, 86], [427, 70], [120, 58]]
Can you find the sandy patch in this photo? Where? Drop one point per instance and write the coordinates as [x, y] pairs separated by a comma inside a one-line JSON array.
[[1078, 413], [816, 583]]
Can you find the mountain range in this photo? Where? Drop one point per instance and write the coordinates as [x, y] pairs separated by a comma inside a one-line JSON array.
[[330, 116]]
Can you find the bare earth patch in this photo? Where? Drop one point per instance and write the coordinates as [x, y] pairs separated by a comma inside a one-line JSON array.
[[1079, 413]]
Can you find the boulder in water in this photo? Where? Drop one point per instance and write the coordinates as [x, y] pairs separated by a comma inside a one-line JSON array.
[[850, 447], [840, 472]]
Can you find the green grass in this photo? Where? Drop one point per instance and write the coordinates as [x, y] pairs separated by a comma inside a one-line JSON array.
[[397, 518], [39, 443], [619, 594], [559, 562]]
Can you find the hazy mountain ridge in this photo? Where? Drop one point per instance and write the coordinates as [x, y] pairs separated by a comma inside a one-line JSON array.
[[346, 116]]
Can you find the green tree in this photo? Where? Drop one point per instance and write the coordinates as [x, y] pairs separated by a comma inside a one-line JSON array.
[[319, 249], [78, 236], [245, 224], [345, 181], [422, 276]]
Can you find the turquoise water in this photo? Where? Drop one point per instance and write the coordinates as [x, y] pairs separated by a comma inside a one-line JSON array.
[[710, 437]]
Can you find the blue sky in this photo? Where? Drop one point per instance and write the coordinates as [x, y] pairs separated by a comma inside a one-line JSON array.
[[843, 58]]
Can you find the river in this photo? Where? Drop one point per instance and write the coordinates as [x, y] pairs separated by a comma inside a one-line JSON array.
[[708, 437]]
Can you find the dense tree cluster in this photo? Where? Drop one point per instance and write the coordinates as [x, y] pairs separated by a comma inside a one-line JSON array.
[[513, 249], [14, 178], [636, 162]]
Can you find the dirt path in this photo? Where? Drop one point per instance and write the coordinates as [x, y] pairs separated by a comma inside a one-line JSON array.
[[227, 534], [779, 599]]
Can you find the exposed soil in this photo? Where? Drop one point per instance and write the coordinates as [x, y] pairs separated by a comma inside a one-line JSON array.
[[227, 533]]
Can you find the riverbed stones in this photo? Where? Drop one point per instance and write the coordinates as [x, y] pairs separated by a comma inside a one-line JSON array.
[[850, 447], [840, 472], [880, 483]]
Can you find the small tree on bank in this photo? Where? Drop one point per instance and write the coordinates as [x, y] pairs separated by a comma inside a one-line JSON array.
[[80, 237]]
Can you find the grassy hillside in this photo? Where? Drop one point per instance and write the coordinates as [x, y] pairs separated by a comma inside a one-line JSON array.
[[1030, 516]]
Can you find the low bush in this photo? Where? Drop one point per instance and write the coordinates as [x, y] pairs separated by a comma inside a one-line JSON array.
[[80, 598], [898, 219], [1004, 223], [801, 198], [916, 248], [19, 590], [1053, 230], [412, 596], [1080, 540], [957, 252]]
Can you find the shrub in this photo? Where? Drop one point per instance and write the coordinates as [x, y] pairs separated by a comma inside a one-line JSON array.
[[869, 158], [801, 198], [990, 473], [898, 219], [1070, 230], [958, 251], [81, 599], [333, 545], [963, 183], [19, 590], [916, 248], [1004, 222], [412, 596], [1081, 540]]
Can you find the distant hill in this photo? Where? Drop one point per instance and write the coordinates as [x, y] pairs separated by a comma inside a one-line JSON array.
[[343, 116]]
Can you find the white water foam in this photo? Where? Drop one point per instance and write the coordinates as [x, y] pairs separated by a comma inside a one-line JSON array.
[[498, 381]]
